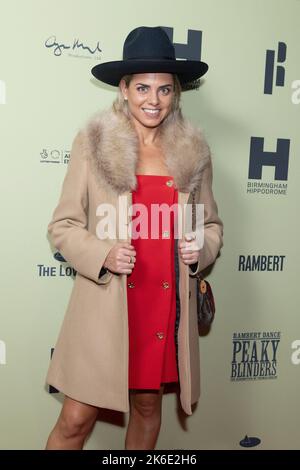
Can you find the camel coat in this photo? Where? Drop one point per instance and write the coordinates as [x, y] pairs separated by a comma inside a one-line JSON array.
[[90, 360]]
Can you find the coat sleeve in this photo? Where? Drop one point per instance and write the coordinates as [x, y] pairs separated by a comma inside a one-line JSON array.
[[213, 226], [68, 227]]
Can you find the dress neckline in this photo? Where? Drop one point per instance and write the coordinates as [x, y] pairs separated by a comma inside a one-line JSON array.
[[157, 176]]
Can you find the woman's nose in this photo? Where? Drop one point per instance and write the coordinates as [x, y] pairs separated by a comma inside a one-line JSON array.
[[153, 98]]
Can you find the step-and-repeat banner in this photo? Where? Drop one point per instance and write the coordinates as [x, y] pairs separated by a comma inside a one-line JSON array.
[[249, 108]]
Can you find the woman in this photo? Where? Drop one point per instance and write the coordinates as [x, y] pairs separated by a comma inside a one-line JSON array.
[[128, 328]]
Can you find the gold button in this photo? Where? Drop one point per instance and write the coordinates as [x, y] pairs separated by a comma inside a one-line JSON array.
[[169, 183], [160, 335], [165, 285], [166, 234], [130, 285]]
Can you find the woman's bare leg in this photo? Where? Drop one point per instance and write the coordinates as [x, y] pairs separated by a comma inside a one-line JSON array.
[[75, 422], [144, 420]]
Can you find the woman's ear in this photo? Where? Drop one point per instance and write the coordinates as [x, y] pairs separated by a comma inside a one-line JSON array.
[[123, 88]]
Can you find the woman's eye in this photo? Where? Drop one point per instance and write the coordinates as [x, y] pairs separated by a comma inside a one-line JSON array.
[[165, 91], [141, 89]]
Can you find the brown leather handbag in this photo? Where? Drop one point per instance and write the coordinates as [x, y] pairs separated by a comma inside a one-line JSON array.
[[205, 298], [205, 302]]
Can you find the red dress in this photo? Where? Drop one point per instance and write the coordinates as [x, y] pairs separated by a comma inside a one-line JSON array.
[[151, 292]]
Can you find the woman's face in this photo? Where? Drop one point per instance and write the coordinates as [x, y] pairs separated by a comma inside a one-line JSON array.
[[150, 97]]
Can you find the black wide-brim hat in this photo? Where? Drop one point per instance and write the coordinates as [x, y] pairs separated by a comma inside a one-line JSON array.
[[149, 49]]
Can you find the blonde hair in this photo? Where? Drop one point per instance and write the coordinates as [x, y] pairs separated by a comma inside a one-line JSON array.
[[121, 105]]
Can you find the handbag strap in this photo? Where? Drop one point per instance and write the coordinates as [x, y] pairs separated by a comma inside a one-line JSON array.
[[193, 211], [198, 275]]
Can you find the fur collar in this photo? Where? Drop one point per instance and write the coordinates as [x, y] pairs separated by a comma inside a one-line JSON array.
[[114, 151]]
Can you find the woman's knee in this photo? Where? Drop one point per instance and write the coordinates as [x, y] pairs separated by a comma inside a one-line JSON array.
[[77, 420], [146, 404]]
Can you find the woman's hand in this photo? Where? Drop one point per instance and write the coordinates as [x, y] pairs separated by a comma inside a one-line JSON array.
[[121, 258], [189, 250]]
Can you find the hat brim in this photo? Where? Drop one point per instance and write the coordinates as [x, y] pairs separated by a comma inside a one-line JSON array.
[[112, 72]]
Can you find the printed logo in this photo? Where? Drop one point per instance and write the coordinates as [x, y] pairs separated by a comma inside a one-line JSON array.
[[270, 69], [275, 72], [2, 92], [55, 156], [2, 353], [260, 158], [189, 51], [59, 257], [254, 355], [250, 441], [54, 271], [192, 49], [295, 358], [75, 48], [261, 263]]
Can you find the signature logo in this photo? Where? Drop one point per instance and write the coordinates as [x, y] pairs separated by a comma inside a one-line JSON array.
[[58, 48]]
